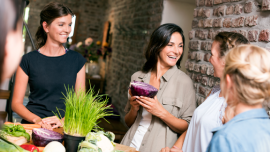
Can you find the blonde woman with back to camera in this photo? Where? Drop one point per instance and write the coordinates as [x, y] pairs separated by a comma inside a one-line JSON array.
[[245, 85]]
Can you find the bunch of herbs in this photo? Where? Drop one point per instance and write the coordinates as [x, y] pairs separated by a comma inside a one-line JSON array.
[[83, 111]]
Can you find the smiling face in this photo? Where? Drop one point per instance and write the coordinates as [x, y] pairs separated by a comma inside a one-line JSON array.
[[217, 61], [172, 52], [59, 29]]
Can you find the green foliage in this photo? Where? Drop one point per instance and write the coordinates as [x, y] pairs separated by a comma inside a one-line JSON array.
[[83, 111], [16, 130]]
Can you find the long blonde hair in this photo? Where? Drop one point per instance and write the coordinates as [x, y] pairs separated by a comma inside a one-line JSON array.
[[249, 68]]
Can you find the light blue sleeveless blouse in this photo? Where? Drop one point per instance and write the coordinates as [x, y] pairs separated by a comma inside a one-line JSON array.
[[206, 117]]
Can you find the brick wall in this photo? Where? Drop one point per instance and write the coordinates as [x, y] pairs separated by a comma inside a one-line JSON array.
[[90, 19], [132, 23], [248, 17]]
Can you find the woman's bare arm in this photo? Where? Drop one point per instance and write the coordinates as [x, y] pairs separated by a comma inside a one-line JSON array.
[[80, 81], [18, 95], [179, 143]]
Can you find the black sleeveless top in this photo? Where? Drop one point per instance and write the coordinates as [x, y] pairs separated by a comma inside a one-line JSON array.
[[48, 77]]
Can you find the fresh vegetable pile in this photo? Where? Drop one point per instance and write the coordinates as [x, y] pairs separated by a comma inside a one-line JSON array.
[[14, 130], [54, 146], [6, 146], [98, 142], [41, 137], [142, 89], [30, 148]]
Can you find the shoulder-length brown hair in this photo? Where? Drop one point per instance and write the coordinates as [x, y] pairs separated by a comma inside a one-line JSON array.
[[158, 40]]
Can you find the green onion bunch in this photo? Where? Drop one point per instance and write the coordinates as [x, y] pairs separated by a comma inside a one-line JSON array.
[[83, 111]]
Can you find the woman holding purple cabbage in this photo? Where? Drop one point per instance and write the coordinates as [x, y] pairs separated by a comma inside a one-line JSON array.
[[210, 113], [155, 122]]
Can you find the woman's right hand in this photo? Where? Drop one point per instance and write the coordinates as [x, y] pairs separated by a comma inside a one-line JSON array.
[[42, 124], [135, 106]]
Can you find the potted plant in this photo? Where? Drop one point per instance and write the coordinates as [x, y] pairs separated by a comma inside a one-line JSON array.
[[82, 115]]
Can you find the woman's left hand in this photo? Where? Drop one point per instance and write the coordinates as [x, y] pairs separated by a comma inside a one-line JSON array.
[[152, 105], [54, 121]]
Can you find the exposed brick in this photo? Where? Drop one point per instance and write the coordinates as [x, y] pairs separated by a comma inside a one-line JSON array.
[[200, 12], [251, 20], [209, 3], [190, 66], [204, 91], [198, 100], [199, 56], [204, 46], [253, 35], [198, 78], [235, 0], [209, 46], [189, 55], [264, 36], [206, 13], [215, 12], [238, 22], [265, 5], [201, 23], [243, 32], [197, 68], [186, 65], [204, 80], [227, 22], [238, 9], [207, 57], [196, 85], [195, 23], [203, 34], [211, 34], [194, 45], [225, 1], [195, 13], [203, 69], [230, 10], [217, 1], [208, 23], [191, 34], [193, 55], [197, 33], [217, 22], [201, 100], [200, 2], [221, 10], [217, 82], [210, 70], [211, 82], [193, 76], [248, 7]]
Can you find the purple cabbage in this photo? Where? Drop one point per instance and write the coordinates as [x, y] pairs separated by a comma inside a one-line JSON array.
[[41, 137], [142, 89]]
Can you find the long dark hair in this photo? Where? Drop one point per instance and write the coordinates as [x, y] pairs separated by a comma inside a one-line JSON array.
[[49, 13], [229, 40], [10, 15], [159, 39]]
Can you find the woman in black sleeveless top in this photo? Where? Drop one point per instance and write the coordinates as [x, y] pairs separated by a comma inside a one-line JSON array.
[[48, 70]]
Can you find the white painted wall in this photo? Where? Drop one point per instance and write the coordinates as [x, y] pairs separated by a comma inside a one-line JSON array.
[[179, 12]]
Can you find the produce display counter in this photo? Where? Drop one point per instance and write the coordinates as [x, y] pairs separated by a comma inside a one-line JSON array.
[[29, 127]]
